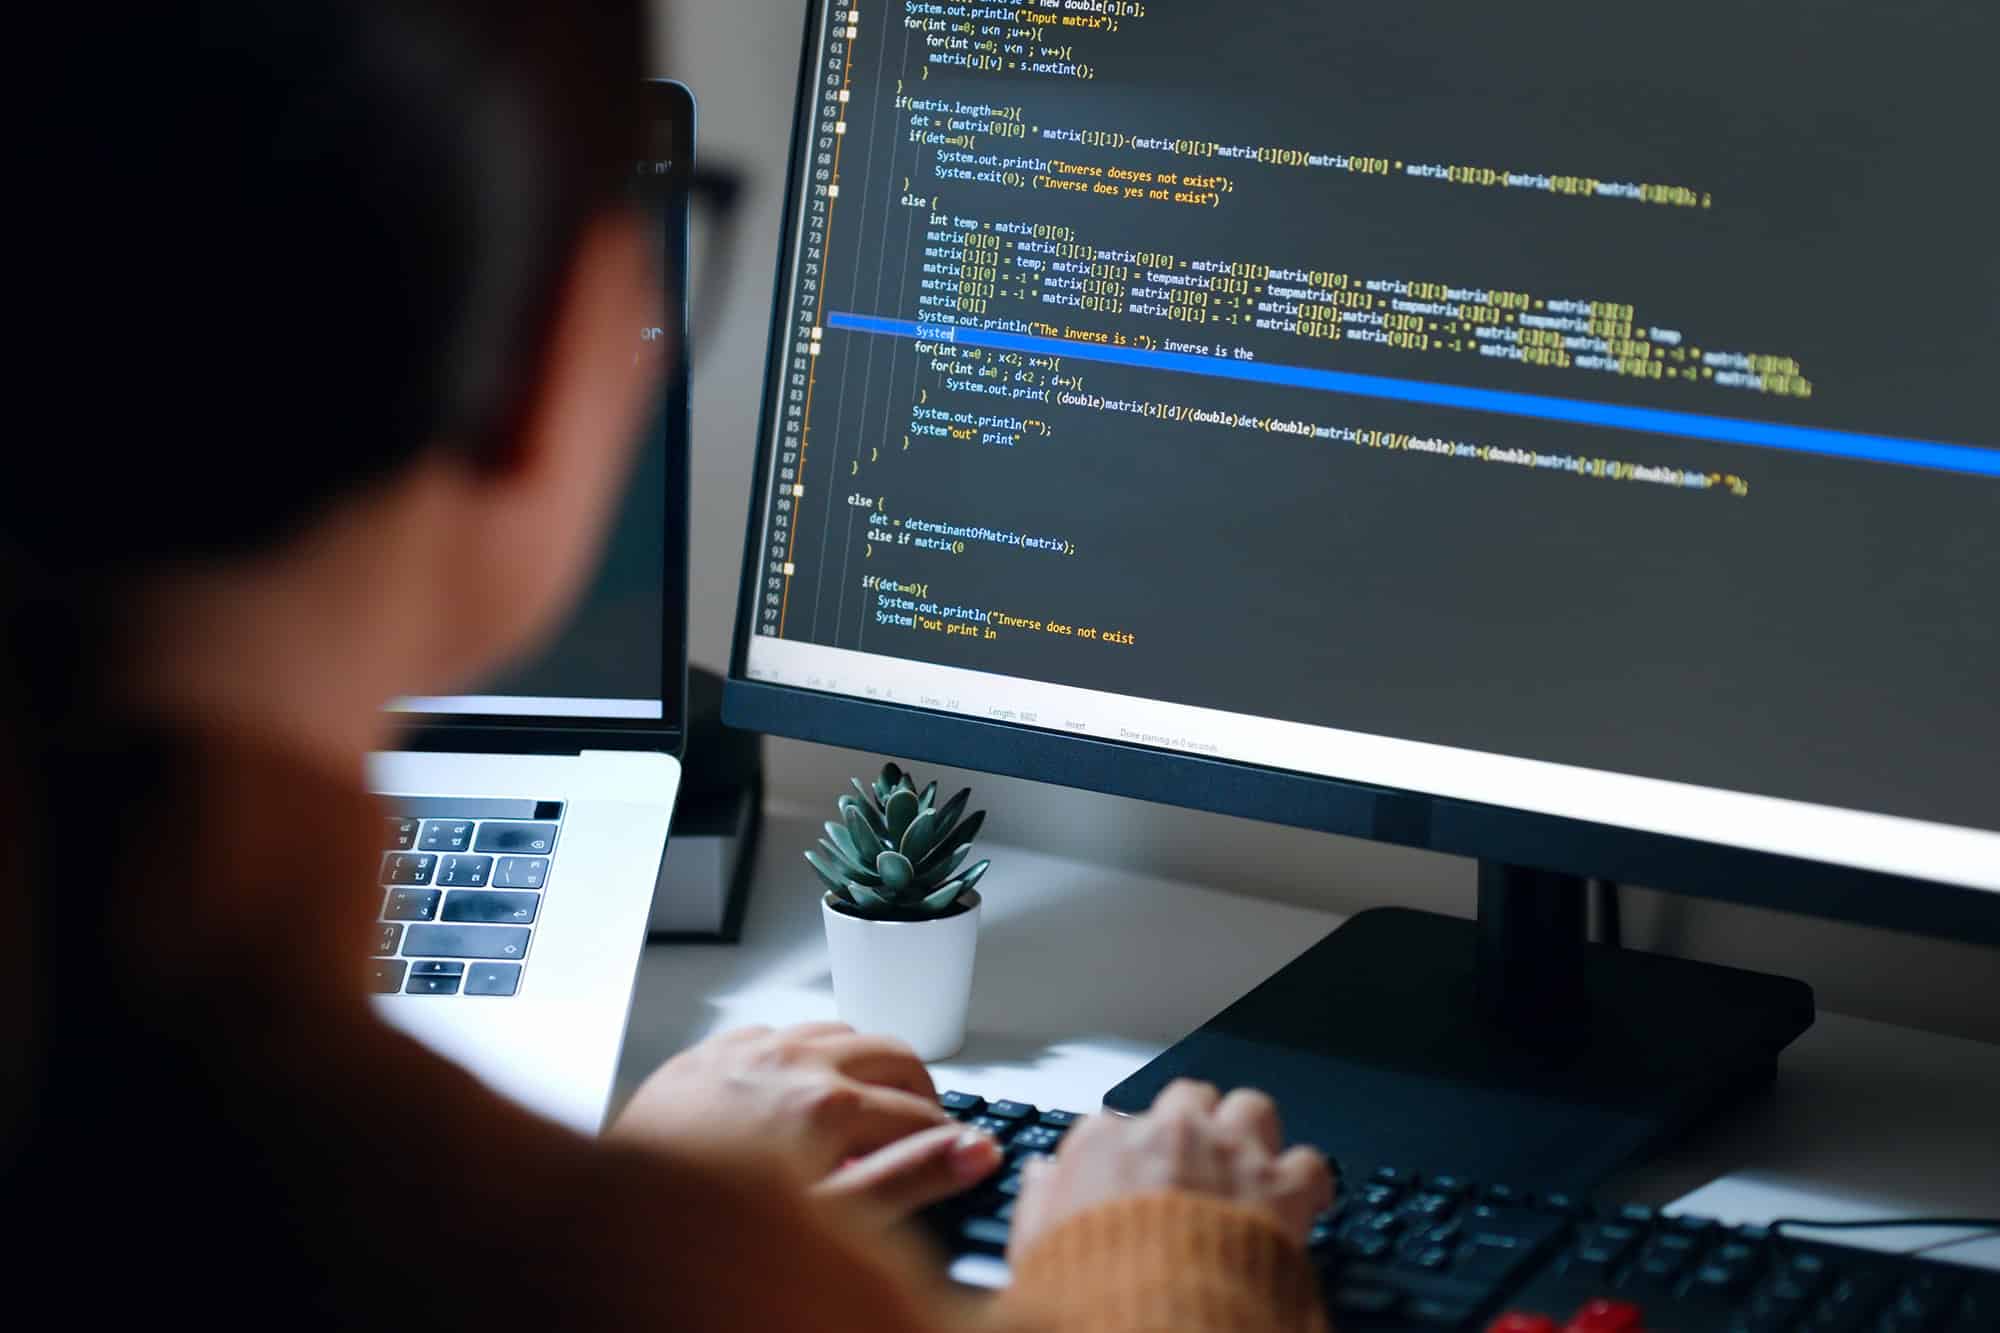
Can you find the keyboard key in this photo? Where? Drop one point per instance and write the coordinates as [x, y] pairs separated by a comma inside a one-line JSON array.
[[501, 836], [1442, 1314], [958, 1103], [431, 985], [464, 872], [385, 975], [1011, 1111], [447, 835], [994, 1125], [1427, 1204], [399, 835], [1366, 1301], [492, 908], [1060, 1119], [387, 940], [409, 868], [412, 904], [498, 942], [1036, 1138], [1381, 1196], [1393, 1175], [988, 1234], [493, 979], [527, 872]]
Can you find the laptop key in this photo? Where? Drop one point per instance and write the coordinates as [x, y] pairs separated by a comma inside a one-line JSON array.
[[497, 942], [432, 985], [409, 868], [447, 835], [385, 975], [399, 835], [525, 872], [506, 836], [387, 939], [493, 979], [492, 908], [412, 905], [464, 872]]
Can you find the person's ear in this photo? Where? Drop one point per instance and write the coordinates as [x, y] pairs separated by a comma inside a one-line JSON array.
[[537, 507]]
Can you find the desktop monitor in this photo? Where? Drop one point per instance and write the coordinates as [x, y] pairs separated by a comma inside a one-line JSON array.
[[1561, 436], [615, 670]]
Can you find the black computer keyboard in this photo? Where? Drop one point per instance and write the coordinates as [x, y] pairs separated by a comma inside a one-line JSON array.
[[1408, 1250], [462, 884]]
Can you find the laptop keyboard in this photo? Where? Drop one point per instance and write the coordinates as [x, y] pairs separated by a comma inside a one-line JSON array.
[[462, 884]]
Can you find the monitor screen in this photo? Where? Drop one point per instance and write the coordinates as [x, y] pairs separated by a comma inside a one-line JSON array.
[[1574, 408], [617, 658]]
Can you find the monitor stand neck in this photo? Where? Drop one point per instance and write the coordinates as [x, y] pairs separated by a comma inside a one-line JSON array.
[[1509, 1048], [1533, 929]]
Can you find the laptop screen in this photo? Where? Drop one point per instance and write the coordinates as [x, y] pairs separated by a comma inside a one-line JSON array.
[[618, 658]]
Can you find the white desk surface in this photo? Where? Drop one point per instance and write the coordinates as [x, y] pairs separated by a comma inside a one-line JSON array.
[[1086, 972]]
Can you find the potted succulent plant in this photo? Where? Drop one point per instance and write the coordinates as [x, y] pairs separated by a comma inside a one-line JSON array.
[[902, 919]]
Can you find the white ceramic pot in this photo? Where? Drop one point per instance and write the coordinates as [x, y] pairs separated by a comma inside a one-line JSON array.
[[911, 980]]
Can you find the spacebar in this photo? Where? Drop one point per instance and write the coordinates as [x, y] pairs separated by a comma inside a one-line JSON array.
[[465, 942]]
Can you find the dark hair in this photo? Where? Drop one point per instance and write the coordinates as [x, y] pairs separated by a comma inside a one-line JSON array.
[[334, 234]]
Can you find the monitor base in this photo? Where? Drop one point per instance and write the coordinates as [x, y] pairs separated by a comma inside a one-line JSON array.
[[1505, 1049]]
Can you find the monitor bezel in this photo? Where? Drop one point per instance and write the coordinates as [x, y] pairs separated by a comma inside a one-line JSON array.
[[1349, 807], [670, 102]]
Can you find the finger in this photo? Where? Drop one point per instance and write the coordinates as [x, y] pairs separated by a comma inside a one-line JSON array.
[[854, 1119], [878, 1060], [891, 1184], [1029, 1204], [1249, 1112], [752, 1032], [1187, 1096], [1304, 1172], [812, 1031]]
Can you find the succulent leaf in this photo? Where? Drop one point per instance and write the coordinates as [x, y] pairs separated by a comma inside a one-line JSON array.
[[891, 775], [949, 812], [867, 899], [919, 836], [961, 836], [974, 875], [850, 868], [938, 871], [843, 841], [929, 798], [827, 871], [944, 897], [866, 840], [901, 809], [896, 871], [867, 807]]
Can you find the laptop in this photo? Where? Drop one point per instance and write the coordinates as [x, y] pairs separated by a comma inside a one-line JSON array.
[[525, 824]]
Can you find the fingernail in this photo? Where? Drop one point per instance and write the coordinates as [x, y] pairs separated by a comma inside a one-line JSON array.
[[974, 1154]]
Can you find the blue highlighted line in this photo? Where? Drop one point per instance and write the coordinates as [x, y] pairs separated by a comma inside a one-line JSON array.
[[1963, 458]]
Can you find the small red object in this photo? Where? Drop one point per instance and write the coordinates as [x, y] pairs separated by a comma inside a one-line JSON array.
[[1516, 1322], [1606, 1317]]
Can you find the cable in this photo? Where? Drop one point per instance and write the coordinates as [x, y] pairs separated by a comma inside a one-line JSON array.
[[1874, 1223], [1962, 1240]]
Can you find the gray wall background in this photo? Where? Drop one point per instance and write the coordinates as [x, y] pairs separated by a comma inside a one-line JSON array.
[[740, 57]]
